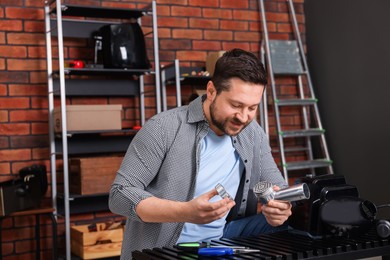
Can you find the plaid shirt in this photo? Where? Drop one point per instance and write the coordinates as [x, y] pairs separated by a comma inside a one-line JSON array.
[[163, 161]]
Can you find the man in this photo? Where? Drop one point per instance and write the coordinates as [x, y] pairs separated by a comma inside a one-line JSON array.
[[166, 183]]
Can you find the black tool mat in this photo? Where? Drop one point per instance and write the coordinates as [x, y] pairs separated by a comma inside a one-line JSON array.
[[286, 245]]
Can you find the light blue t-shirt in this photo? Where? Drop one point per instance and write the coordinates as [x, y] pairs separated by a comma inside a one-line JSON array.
[[219, 163]]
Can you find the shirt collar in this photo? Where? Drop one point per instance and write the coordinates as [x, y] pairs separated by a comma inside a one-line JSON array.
[[195, 110]]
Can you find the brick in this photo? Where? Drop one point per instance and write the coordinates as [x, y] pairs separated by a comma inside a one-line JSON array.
[[245, 15], [39, 128], [3, 90], [277, 17], [255, 26], [191, 55], [39, 102], [206, 45], [175, 2], [13, 51], [168, 21], [40, 153], [27, 90], [204, 23], [15, 129], [217, 13], [234, 25], [34, 26], [234, 4], [218, 35], [118, 5], [26, 38], [38, 77], [2, 37], [284, 27], [29, 141], [163, 10], [36, 51], [205, 3], [28, 116], [8, 248], [185, 11], [3, 116], [4, 142], [11, 25], [81, 53], [173, 44], [15, 155], [255, 46], [14, 102], [5, 168], [12, 2], [187, 33], [23, 64], [24, 13], [232, 45], [2, 64], [36, 3], [247, 36]]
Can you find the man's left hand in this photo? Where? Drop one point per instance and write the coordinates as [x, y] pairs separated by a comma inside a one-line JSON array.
[[276, 212]]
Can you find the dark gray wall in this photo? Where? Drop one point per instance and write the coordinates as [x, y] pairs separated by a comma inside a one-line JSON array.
[[349, 57]]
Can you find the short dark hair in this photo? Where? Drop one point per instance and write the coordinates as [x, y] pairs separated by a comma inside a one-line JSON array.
[[238, 63]]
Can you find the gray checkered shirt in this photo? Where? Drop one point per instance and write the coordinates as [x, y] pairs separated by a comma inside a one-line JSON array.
[[163, 161]]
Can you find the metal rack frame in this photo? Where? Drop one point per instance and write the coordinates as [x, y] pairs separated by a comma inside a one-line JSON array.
[[54, 27]]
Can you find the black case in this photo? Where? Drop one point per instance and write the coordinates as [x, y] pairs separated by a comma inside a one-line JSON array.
[[124, 46], [19, 195]]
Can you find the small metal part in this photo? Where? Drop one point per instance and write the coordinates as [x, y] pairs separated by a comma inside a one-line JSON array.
[[265, 192], [222, 192]]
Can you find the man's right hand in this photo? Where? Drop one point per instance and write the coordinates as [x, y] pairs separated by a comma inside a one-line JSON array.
[[198, 211], [201, 210]]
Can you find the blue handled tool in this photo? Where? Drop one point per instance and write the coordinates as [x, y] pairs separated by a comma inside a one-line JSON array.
[[215, 251]]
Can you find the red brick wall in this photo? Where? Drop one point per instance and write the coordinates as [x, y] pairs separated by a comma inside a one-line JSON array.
[[188, 30]]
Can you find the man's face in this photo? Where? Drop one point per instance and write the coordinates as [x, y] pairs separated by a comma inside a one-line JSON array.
[[231, 111]]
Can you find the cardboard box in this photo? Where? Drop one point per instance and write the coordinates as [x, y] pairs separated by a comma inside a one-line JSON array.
[[89, 117], [96, 244], [211, 59], [92, 175]]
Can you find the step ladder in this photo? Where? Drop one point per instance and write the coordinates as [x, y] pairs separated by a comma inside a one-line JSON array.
[[286, 59]]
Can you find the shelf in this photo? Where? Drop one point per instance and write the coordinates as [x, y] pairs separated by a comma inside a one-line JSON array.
[[101, 87], [83, 22], [100, 12], [95, 143], [80, 204], [103, 71]]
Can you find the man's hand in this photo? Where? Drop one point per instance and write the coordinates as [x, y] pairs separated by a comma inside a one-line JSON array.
[[276, 212], [202, 211], [199, 210]]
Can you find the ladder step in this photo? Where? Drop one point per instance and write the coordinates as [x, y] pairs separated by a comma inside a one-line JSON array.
[[302, 133], [318, 163], [285, 57], [296, 102]]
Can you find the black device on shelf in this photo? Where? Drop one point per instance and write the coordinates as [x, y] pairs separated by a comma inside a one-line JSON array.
[[123, 46]]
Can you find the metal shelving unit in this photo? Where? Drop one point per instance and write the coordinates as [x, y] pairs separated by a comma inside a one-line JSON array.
[[173, 74], [62, 86]]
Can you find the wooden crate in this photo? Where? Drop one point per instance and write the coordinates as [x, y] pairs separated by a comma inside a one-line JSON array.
[[97, 244], [92, 175]]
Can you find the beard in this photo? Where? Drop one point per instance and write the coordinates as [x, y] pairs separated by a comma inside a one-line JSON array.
[[223, 123]]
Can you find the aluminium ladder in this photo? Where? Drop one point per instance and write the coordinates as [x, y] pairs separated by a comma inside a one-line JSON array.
[[286, 58]]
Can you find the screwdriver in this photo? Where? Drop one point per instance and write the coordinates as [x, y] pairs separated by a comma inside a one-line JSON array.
[[215, 251]]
